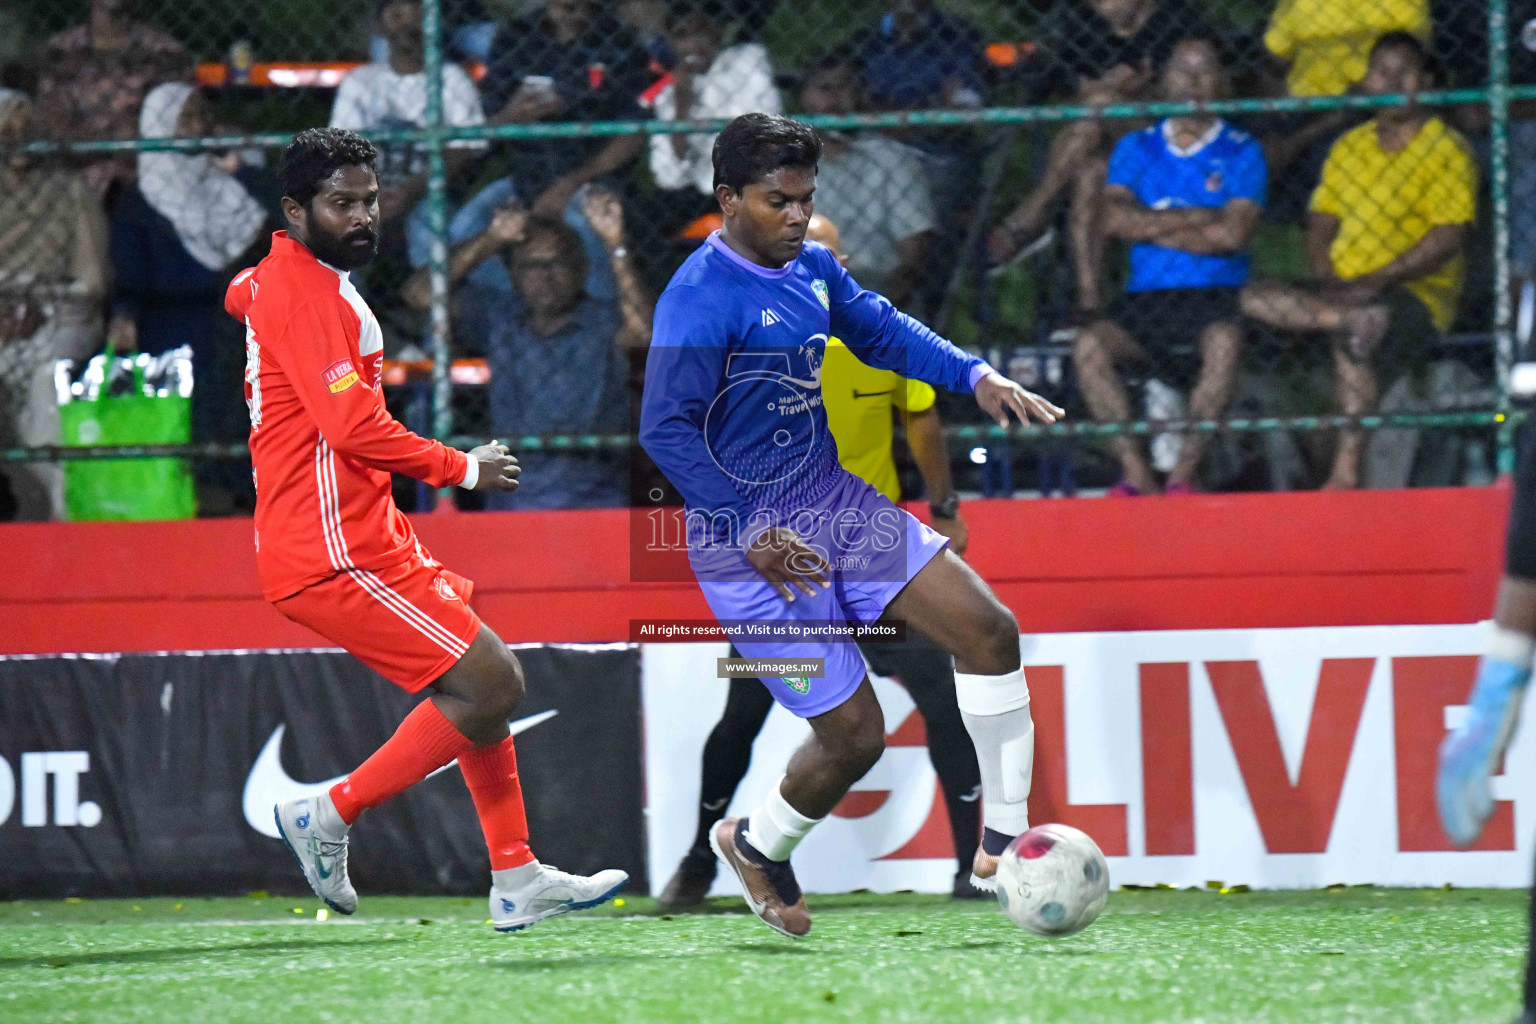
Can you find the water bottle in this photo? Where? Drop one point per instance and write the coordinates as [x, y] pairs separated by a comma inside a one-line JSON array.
[[237, 66]]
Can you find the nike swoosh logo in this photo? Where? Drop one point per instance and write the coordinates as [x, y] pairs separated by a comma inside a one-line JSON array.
[[870, 394], [323, 867], [269, 784], [972, 796], [715, 805]]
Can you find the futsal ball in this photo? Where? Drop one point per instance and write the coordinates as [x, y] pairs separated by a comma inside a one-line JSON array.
[[1053, 880]]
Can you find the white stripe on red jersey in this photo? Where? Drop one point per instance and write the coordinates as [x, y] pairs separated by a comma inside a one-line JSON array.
[[322, 443]]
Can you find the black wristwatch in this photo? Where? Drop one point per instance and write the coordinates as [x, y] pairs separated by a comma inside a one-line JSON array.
[[949, 508]]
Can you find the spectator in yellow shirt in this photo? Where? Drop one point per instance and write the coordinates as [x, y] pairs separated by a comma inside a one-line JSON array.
[[861, 403], [1384, 240], [1323, 46], [1328, 42]]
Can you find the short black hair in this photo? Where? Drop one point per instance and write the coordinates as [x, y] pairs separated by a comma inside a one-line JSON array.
[[1405, 41], [317, 153], [572, 249], [755, 145]]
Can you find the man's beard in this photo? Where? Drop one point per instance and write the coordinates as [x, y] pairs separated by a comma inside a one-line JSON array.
[[344, 252]]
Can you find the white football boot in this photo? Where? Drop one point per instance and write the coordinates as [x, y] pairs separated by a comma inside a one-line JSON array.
[[550, 891], [321, 852], [984, 870]]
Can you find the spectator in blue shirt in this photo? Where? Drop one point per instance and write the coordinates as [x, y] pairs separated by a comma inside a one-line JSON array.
[[1186, 193], [559, 356], [1107, 51]]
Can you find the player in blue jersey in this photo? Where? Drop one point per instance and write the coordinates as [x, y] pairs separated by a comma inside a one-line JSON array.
[[788, 545]]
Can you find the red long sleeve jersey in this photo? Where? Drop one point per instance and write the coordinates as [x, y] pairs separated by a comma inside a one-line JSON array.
[[322, 443]]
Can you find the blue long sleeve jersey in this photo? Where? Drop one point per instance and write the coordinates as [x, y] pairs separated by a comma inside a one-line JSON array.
[[732, 411]]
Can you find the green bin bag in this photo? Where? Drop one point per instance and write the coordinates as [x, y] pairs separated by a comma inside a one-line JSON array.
[[127, 488]]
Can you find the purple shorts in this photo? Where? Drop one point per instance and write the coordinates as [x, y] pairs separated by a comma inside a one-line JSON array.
[[874, 548]]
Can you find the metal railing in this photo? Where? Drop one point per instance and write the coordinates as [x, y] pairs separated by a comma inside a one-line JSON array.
[[437, 134]]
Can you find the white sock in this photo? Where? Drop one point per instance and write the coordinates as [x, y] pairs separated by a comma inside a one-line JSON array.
[[996, 714], [327, 818], [776, 828], [1509, 646], [513, 879]]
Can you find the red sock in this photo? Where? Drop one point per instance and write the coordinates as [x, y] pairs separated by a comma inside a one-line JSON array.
[[491, 775], [425, 741]]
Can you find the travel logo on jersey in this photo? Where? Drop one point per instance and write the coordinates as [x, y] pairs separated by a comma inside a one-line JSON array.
[[789, 395], [340, 376]]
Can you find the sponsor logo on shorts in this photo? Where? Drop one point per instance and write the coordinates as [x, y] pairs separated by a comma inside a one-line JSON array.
[[340, 375], [800, 684]]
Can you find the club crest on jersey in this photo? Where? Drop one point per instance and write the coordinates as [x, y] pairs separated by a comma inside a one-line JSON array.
[[340, 375], [1214, 181], [820, 288], [800, 684], [444, 590]]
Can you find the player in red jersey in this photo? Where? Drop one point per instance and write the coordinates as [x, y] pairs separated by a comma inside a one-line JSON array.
[[336, 555]]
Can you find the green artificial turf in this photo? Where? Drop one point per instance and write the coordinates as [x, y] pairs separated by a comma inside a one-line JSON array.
[[1342, 955]]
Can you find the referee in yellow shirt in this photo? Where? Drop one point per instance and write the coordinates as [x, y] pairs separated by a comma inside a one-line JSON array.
[[861, 404]]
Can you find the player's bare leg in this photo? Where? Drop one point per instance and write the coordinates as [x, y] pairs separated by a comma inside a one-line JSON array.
[[481, 690], [844, 745], [465, 718], [949, 602]]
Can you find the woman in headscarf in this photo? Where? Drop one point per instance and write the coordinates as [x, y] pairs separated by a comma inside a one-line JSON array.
[[52, 280], [177, 237], [189, 222]]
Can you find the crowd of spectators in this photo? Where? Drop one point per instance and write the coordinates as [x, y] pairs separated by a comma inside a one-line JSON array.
[[559, 246]]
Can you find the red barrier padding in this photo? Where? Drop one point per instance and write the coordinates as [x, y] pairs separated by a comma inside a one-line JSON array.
[[1200, 562]]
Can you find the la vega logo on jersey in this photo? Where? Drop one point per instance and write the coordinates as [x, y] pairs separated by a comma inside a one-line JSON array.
[[340, 375]]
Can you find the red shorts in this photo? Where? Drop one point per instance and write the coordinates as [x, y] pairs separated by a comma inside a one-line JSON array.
[[409, 623]]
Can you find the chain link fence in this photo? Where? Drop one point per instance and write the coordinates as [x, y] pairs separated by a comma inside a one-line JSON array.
[[1217, 231]]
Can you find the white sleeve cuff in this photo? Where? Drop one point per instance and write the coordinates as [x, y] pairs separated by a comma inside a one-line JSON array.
[[471, 474], [979, 371]]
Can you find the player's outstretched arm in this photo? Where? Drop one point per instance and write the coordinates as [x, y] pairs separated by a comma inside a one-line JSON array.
[[492, 467], [1473, 753], [997, 396], [888, 339], [315, 351]]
